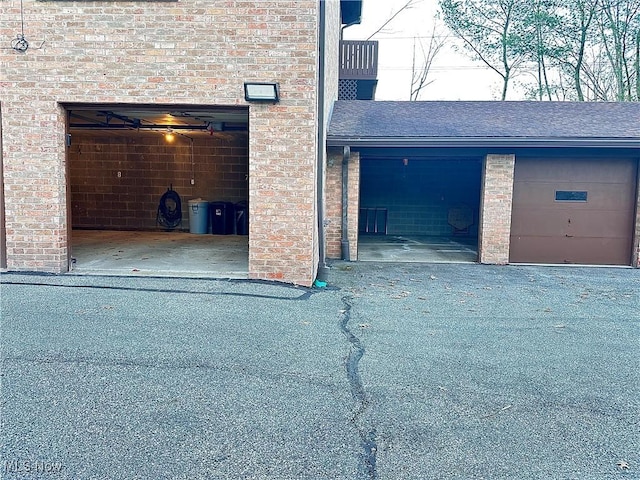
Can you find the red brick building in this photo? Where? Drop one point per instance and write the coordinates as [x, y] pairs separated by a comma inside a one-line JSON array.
[[88, 87], [90, 90]]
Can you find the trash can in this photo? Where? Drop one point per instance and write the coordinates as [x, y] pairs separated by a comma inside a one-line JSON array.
[[221, 214], [242, 219], [198, 215]]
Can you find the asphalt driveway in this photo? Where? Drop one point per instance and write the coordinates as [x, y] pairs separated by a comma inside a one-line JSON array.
[[391, 372]]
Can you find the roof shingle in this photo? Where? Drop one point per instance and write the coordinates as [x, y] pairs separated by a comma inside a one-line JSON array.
[[487, 120]]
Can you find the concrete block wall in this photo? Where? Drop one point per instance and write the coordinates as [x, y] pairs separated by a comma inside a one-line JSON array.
[[333, 214], [148, 165], [192, 53], [496, 200]]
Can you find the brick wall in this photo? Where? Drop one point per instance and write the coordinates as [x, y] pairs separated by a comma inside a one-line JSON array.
[[196, 53], [354, 204], [636, 238], [148, 165], [333, 203], [3, 237], [331, 73], [333, 214], [332, 55], [496, 199]]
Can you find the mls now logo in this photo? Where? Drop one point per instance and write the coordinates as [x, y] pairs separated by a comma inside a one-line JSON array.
[[31, 466]]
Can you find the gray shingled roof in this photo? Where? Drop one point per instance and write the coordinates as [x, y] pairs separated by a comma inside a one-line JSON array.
[[384, 123]]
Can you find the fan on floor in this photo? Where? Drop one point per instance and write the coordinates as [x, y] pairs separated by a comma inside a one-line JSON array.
[[170, 210]]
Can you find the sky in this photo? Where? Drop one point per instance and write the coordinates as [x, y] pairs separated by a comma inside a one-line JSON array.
[[454, 75]]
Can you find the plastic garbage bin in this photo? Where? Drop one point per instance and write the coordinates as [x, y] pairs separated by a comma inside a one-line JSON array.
[[221, 214], [198, 215]]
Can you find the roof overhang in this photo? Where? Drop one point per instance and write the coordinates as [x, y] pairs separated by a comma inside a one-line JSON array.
[[481, 142], [485, 125]]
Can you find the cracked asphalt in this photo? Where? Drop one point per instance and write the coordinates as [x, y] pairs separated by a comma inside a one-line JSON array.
[[391, 372]]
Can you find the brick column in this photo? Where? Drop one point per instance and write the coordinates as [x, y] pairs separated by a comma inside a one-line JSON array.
[[333, 204], [3, 248], [495, 209], [35, 188], [635, 261], [354, 204]]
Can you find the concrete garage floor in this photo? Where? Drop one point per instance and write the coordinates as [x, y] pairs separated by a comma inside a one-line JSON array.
[[417, 249], [171, 254], [180, 254]]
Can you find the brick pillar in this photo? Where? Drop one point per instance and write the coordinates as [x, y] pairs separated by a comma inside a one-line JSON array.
[[35, 187], [354, 204], [3, 249], [333, 204], [635, 261], [495, 209]]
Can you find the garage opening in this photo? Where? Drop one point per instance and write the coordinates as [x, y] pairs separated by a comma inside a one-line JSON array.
[[419, 209], [573, 210], [122, 162]]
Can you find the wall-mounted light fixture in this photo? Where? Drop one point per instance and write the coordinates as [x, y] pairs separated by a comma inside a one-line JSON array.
[[169, 136], [261, 92]]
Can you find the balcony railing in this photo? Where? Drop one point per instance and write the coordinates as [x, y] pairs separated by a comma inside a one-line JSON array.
[[358, 60]]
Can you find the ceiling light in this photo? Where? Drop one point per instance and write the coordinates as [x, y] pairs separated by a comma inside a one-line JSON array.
[[261, 92]]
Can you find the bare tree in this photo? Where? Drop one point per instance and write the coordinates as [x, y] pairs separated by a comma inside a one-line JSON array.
[[407, 6], [421, 67]]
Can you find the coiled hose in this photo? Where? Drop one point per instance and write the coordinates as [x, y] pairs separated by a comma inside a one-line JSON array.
[[169, 210]]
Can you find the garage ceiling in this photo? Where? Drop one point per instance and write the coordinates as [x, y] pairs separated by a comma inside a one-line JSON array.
[[192, 121]]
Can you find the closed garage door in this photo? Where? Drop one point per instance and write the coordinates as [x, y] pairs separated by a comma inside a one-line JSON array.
[[573, 211]]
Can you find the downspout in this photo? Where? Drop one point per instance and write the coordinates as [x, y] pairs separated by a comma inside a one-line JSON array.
[[323, 270], [346, 155], [344, 27], [344, 241]]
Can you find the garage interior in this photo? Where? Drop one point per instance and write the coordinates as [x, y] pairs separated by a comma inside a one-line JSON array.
[[125, 166], [419, 209]]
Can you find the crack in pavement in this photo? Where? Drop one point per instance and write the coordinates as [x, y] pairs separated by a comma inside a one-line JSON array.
[[368, 437]]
